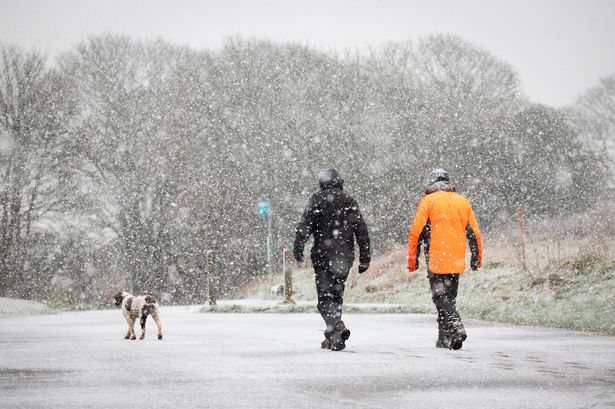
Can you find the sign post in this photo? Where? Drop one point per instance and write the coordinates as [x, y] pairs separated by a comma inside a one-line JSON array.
[[264, 212]]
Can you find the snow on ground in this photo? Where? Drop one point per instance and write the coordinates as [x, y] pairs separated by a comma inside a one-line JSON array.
[[80, 360], [10, 307]]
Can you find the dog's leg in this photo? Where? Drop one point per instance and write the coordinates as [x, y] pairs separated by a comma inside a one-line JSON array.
[[142, 321], [156, 316], [131, 328], [127, 322]]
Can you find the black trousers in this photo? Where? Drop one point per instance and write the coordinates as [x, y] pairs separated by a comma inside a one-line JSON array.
[[330, 284], [444, 295]]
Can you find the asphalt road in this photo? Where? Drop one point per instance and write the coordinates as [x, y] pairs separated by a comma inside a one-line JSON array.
[[80, 360]]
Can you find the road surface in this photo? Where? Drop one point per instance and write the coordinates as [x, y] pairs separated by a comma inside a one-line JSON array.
[[80, 360]]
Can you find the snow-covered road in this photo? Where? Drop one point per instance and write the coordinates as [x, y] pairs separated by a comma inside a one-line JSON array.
[[80, 360]]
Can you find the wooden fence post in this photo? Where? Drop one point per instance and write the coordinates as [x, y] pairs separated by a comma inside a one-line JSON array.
[[211, 277], [521, 224], [287, 262]]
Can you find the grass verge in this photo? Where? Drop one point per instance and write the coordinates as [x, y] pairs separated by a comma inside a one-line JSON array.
[[10, 307], [568, 297]]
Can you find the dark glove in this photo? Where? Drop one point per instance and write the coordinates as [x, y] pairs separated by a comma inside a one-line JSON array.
[[474, 263], [299, 257], [363, 267]]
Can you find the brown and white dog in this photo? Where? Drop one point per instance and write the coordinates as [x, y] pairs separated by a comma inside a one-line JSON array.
[[138, 307]]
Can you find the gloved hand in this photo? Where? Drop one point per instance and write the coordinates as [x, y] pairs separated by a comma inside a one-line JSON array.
[[299, 257], [474, 263], [416, 266], [363, 267]]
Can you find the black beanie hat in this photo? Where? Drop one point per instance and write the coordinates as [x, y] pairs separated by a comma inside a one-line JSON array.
[[438, 175]]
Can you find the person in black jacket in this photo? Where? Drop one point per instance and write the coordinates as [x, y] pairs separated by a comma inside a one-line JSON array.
[[334, 219]]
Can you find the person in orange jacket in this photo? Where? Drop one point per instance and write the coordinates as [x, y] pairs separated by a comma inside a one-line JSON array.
[[444, 220]]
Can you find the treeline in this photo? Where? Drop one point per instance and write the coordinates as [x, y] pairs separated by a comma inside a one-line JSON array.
[[124, 162]]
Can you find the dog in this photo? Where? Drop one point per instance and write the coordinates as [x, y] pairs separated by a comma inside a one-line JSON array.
[[138, 307]]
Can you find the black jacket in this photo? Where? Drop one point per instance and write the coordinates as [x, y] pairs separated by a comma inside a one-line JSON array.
[[334, 218]]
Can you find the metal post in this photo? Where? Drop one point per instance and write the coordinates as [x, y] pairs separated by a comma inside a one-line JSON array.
[[263, 209], [287, 262], [269, 244], [211, 277]]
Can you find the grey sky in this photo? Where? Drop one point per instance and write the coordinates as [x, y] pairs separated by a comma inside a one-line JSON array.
[[559, 48]]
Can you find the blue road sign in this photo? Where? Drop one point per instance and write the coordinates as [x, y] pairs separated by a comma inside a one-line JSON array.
[[262, 208]]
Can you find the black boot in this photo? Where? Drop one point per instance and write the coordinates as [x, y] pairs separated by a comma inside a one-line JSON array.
[[339, 337], [326, 343], [444, 339], [458, 334]]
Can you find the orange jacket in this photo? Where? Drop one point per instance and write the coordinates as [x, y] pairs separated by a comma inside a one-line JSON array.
[[444, 220]]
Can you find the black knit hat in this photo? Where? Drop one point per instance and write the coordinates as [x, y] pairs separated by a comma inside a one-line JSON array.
[[438, 175]]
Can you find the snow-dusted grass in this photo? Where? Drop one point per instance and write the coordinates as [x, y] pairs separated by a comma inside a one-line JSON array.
[[569, 283], [10, 307], [582, 302], [253, 305], [566, 298]]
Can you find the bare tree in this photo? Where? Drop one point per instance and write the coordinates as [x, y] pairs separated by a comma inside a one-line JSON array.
[[35, 166], [131, 133], [594, 116]]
